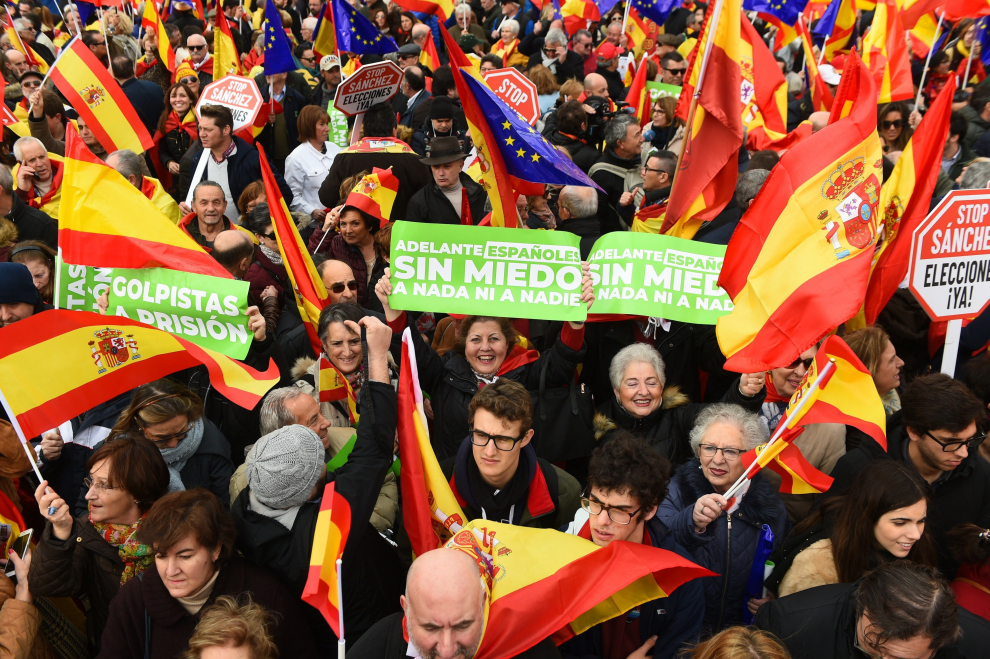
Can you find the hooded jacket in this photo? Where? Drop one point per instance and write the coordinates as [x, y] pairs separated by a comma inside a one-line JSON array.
[[728, 545], [820, 623], [431, 205], [675, 620], [549, 500], [964, 497], [668, 427]]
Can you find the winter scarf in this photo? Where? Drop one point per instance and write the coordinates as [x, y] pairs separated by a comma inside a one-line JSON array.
[[773, 406], [273, 256], [176, 457], [137, 557]]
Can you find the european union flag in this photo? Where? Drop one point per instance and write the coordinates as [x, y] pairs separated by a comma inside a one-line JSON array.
[[605, 6], [557, 16], [826, 24], [787, 11], [527, 155], [657, 11], [278, 52], [356, 34], [982, 34]]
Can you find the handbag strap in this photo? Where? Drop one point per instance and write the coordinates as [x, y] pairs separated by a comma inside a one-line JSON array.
[[972, 583]]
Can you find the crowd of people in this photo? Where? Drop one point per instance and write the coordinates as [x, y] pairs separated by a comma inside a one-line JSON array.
[[172, 522]]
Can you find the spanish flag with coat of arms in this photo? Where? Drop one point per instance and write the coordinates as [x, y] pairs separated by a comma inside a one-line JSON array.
[[798, 264]]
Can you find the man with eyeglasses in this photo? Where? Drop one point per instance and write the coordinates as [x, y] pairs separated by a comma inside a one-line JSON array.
[[338, 279], [496, 474], [97, 44], [898, 611], [627, 480], [583, 44], [673, 67], [658, 174], [553, 54], [938, 433], [200, 58]]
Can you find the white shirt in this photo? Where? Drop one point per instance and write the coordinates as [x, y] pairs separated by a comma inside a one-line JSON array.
[[305, 170]]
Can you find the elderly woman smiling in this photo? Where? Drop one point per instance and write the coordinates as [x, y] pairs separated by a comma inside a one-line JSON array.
[[723, 542], [643, 405]]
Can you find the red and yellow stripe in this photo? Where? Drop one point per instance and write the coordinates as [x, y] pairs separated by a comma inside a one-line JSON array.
[[104, 221], [797, 475], [98, 99], [840, 41], [764, 112], [50, 392], [151, 20], [333, 525], [886, 54], [442, 8], [228, 62]]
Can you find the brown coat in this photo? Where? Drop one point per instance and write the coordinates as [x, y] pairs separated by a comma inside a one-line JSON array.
[[85, 563], [20, 624], [14, 462], [813, 566]]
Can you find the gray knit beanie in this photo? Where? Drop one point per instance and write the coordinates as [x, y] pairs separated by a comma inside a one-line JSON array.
[[284, 466]]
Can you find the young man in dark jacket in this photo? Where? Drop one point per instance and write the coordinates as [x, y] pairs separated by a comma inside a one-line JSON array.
[[496, 474], [626, 483], [452, 197], [898, 610], [937, 434], [572, 122], [276, 524]]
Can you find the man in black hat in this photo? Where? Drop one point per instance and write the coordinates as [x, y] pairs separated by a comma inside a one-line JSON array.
[[19, 298], [453, 197], [440, 124]]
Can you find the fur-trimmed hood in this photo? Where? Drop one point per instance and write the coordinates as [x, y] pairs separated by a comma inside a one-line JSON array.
[[672, 397], [302, 366]]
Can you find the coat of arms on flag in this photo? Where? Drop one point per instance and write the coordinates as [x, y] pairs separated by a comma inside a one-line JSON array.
[[94, 95], [111, 349], [856, 211]]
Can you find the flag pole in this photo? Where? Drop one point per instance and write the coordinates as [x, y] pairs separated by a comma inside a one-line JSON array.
[[65, 48], [931, 51], [625, 15], [969, 61], [782, 426], [24, 443], [341, 645], [106, 39]]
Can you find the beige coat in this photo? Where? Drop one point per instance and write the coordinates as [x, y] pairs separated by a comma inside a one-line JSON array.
[[821, 444], [814, 566], [20, 627]]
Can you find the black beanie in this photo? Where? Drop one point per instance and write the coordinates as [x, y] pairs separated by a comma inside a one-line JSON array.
[[441, 108]]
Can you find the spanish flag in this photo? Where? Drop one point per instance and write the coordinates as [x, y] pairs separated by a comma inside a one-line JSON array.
[[904, 201], [798, 264], [333, 525], [98, 99], [543, 583], [15, 41], [333, 385], [100, 357], [430, 513], [925, 34], [228, 62], [836, 27], [638, 96], [797, 475], [763, 94], [152, 21], [785, 33], [577, 13], [846, 395], [821, 97], [913, 10], [642, 34], [104, 221], [706, 179], [429, 57], [324, 36], [442, 8], [886, 54], [310, 294]]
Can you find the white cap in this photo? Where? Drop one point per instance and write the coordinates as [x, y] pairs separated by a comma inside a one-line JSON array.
[[328, 62], [829, 75]]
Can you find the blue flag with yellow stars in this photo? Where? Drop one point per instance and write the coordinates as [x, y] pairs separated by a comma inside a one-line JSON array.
[[527, 155], [786, 10], [356, 34], [278, 52], [657, 11]]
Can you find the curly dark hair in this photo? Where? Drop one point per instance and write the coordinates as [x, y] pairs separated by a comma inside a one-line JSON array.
[[627, 464]]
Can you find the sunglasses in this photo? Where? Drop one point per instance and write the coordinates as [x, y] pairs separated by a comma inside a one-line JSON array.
[[188, 81], [191, 47], [308, 59], [31, 84], [676, 72], [550, 51], [269, 236], [339, 287], [887, 125], [797, 362]]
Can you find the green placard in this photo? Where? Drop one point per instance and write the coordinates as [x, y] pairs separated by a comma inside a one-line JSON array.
[[209, 311], [338, 126], [653, 275], [489, 271], [662, 89]]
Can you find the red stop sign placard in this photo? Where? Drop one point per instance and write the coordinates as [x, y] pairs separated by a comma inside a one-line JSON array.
[[517, 91], [370, 85], [237, 93], [950, 256]]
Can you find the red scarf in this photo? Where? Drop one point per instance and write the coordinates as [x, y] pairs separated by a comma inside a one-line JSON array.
[[772, 395], [57, 169], [187, 123], [517, 357], [465, 208]]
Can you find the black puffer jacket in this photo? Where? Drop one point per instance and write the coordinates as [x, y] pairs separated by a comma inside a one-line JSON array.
[[728, 545], [668, 428], [451, 386], [430, 205], [583, 155]]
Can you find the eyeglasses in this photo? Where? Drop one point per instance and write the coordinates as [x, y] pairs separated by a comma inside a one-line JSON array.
[[659, 111], [192, 47], [655, 171], [162, 442], [882, 654], [616, 515], [730, 454], [339, 287], [951, 447], [676, 72], [28, 29], [308, 59], [887, 125], [99, 485], [189, 80], [798, 362], [269, 236], [502, 442]]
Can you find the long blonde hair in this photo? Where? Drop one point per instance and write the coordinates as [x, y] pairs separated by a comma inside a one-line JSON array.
[[741, 643]]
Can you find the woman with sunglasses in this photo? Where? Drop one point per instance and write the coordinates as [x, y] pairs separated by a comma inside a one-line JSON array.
[[268, 268], [695, 511], [171, 417], [893, 126], [97, 552], [177, 128], [781, 384]]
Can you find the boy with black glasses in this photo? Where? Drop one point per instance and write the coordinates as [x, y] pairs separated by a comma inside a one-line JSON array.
[[496, 474]]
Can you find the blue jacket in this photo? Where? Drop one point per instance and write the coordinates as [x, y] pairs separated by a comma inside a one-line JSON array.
[[148, 100], [674, 620], [728, 555]]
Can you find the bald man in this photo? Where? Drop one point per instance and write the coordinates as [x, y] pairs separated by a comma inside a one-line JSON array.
[[338, 279], [234, 250], [443, 609], [595, 84]]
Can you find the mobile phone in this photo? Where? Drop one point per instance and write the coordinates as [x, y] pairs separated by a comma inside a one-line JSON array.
[[21, 545]]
